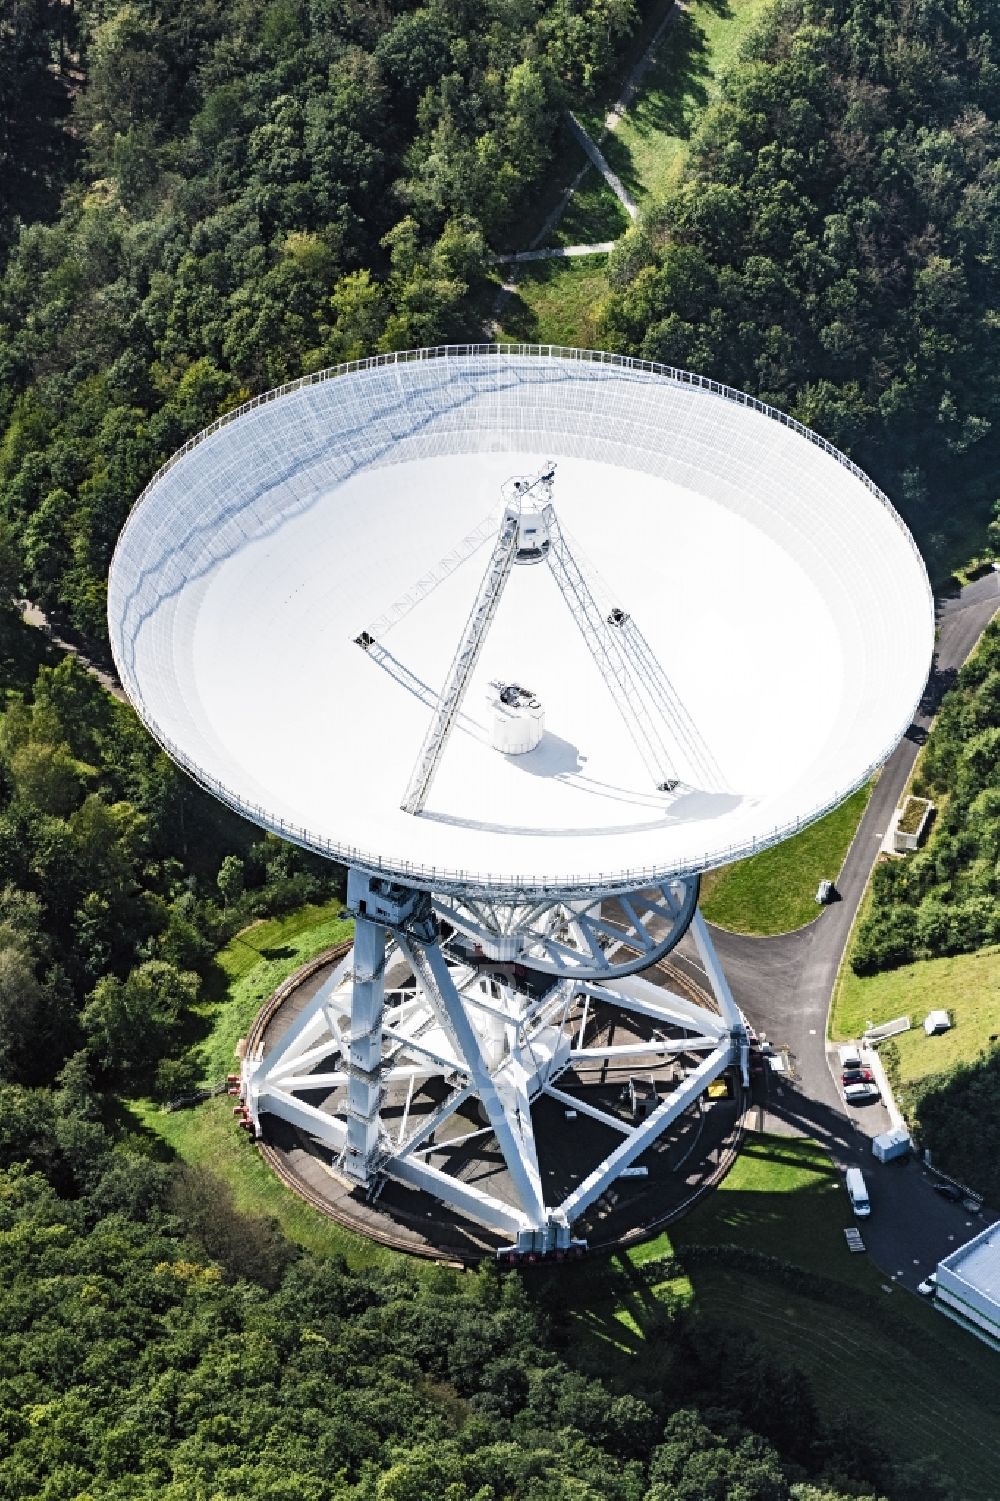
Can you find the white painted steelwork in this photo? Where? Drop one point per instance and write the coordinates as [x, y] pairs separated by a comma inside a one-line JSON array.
[[749, 646], [422, 1017], [775, 587]]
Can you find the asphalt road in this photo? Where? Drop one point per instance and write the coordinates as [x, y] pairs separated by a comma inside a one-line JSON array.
[[784, 985]]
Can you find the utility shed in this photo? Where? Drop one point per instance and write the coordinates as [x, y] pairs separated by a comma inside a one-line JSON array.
[[968, 1285], [936, 1021]]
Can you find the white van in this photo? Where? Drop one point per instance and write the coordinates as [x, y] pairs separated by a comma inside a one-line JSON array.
[[857, 1192], [850, 1056]]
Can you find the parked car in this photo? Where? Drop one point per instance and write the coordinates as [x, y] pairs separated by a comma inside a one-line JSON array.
[[949, 1191], [860, 1094], [857, 1076]]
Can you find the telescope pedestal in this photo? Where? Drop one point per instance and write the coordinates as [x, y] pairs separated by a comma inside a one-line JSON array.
[[411, 1028]]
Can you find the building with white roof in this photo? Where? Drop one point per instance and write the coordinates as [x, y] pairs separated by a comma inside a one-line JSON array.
[[968, 1285]]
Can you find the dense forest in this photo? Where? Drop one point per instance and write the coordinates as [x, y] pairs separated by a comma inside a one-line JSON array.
[[157, 1346], [118, 881], [832, 247], [200, 200], [255, 190]]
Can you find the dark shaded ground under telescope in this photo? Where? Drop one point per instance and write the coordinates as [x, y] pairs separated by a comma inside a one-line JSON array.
[[686, 1161]]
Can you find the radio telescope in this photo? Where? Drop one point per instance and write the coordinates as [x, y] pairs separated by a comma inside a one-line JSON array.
[[527, 639]]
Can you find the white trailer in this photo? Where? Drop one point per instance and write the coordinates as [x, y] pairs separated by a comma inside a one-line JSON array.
[[892, 1144]]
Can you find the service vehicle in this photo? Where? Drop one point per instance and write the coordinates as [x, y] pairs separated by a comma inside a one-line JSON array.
[[824, 893], [850, 1056], [892, 1146], [857, 1192], [859, 1094]]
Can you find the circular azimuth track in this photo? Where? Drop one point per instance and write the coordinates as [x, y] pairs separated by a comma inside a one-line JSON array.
[[596, 940]]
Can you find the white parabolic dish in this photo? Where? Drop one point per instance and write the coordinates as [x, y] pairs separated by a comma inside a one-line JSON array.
[[780, 592]]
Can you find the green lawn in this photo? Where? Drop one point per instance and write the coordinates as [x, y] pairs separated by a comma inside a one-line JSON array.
[[906, 1373], [967, 985], [556, 302], [205, 1137], [938, 1404], [248, 969], [775, 891], [783, 1196], [697, 49], [252, 965]]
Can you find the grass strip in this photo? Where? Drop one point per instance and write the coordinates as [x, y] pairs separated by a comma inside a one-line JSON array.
[[775, 891]]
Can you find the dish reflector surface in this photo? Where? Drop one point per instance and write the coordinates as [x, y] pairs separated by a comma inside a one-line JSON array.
[[782, 596]]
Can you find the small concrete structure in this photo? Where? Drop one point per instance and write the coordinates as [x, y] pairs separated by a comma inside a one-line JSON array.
[[968, 1286], [911, 824], [935, 1022]]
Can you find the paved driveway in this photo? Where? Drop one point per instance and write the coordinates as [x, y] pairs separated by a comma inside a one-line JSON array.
[[784, 985]]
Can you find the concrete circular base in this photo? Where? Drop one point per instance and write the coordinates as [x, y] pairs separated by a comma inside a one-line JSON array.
[[687, 1161]]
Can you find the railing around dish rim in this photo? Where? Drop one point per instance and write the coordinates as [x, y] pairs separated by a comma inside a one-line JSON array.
[[550, 351], [511, 885]]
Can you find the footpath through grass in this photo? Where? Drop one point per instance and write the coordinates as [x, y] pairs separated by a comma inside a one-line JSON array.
[[918, 1385], [247, 970], [559, 301], [699, 47], [775, 891]]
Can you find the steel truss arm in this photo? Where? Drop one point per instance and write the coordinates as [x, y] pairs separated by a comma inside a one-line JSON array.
[[469, 647], [620, 675], [430, 580], [465, 1197], [573, 1102], [306, 1030], [643, 1136], [661, 1005], [514, 1135], [625, 1050], [604, 948], [430, 1123], [664, 697]]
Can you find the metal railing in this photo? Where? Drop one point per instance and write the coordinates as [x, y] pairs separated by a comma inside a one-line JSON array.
[[508, 886], [520, 351]]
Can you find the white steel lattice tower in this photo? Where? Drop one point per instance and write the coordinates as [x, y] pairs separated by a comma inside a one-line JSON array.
[[527, 639]]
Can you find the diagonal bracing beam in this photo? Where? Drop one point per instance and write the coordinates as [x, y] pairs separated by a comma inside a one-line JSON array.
[[512, 1127], [606, 649], [469, 647]]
